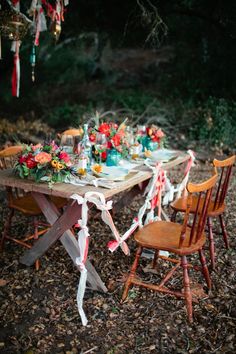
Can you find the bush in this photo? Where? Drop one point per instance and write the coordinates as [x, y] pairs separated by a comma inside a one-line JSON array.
[[66, 115], [216, 123]]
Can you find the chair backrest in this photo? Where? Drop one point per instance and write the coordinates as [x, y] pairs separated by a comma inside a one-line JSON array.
[[70, 136], [202, 192], [223, 184], [8, 158]]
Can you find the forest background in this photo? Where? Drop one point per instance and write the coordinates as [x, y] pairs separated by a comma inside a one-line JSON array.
[[169, 61]]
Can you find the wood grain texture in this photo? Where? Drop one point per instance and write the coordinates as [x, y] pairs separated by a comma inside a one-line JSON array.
[[68, 240], [7, 178]]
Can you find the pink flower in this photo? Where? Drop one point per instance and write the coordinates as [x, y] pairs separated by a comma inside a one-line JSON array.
[[159, 134], [43, 157], [36, 147], [54, 146], [64, 156]]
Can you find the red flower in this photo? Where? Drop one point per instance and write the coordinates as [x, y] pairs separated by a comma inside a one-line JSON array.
[[22, 159], [109, 145], [104, 155], [64, 156], [104, 128], [116, 140], [30, 163], [92, 137]]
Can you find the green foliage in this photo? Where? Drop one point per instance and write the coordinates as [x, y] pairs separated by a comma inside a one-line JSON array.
[[66, 115], [132, 99], [216, 122]]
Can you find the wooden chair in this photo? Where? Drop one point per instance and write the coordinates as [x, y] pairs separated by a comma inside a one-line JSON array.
[[20, 201], [217, 205], [181, 240], [70, 134]]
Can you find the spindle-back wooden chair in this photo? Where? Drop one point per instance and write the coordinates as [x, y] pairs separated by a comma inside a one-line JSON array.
[[72, 133], [217, 204], [18, 200], [180, 239]]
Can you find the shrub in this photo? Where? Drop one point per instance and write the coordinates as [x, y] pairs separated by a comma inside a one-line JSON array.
[[216, 122]]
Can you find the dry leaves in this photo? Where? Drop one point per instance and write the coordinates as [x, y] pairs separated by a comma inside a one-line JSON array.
[[38, 311]]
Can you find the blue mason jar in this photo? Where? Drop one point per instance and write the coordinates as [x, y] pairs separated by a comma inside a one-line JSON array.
[[113, 157]]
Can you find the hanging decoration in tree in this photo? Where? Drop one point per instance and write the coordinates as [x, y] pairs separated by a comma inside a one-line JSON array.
[[14, 26], [38, 10], [15, 47], [39, 20], [56, 14], [39, 25]]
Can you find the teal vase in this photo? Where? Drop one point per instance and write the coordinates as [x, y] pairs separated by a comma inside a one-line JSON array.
[[113, 157], [148, 144]]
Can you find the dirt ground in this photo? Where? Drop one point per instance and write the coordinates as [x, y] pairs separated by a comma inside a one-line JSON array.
[[38, 312]]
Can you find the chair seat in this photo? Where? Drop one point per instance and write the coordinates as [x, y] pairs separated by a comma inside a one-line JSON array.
[[27, 205], [164, 235], [181, 205]]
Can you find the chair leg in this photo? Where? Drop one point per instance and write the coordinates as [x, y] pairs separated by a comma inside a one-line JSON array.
[[173, 216], [37, 264], [36, 225], [205, 271], [132, 273], [6, 229], [155, 258], [187, 291], [225, 236], [211, 240]]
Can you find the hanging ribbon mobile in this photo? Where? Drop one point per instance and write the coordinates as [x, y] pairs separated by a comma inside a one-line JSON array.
[[15, 78], [14, 26]]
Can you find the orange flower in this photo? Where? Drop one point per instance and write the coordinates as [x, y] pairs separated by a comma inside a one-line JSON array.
[[97, 168], [43, 157]]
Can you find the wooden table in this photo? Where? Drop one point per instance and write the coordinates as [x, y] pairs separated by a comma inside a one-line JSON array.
[[61, 223]]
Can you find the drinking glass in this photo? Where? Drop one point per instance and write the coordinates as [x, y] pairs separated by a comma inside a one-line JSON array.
[[100, 144], [67, 142]]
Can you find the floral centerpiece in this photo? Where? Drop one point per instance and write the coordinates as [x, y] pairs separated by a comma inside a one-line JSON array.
[[47, 162], [152, 138], [115, 138]]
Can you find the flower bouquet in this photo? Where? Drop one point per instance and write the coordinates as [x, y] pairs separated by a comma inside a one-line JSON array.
[[46, 162], [153, 138], [115, 139]]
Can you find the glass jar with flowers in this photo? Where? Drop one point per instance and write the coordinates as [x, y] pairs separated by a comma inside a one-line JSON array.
[[116, 145], [154, 138]]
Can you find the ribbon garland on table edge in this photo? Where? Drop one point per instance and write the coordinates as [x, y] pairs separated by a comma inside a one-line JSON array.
[[171, 189], [153, 193], [99, 200]]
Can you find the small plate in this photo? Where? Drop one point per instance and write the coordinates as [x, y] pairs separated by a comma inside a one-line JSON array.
[[163, 155], [114, 173]]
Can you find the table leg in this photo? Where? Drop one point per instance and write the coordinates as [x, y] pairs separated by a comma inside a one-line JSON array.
[[60, 229], [129, 196]]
